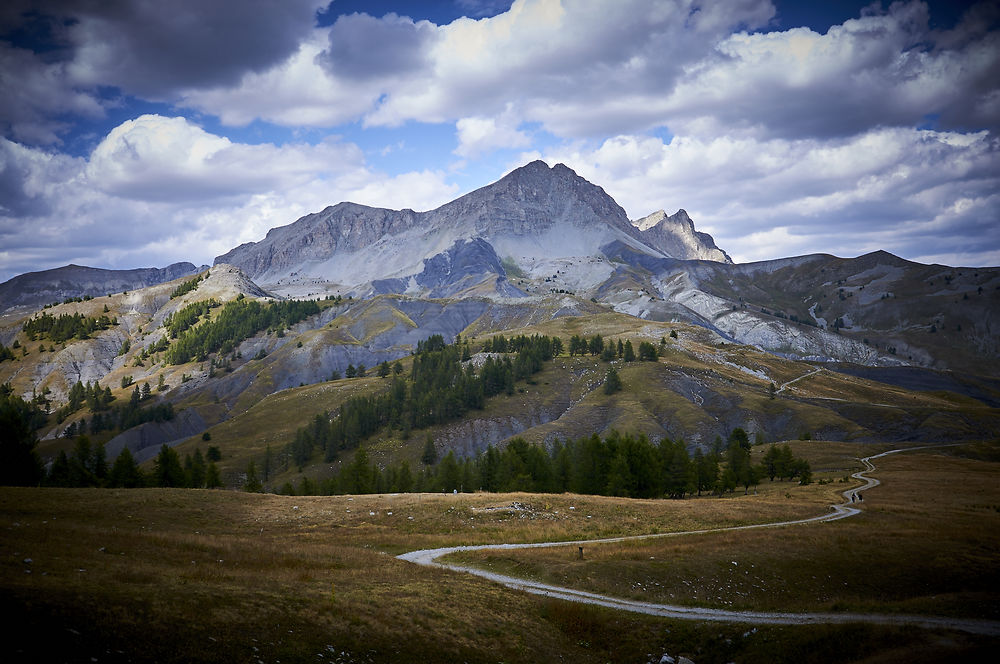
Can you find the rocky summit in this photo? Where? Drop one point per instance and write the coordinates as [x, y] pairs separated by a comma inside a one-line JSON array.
[[536, 220]]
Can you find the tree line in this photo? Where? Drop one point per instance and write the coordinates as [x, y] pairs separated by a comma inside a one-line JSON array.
[[609, 349], [187, 316], [87, 466], [623, 465], [104, 416], [438, 389]]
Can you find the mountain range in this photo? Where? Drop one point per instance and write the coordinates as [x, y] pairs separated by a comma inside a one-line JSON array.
[[33, 289], [540, 250]]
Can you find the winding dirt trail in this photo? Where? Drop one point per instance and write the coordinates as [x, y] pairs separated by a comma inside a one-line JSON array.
[[429, 557], [795, 380]]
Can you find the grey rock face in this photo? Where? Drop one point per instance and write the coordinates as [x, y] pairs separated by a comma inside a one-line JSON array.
[[676, 237], [47, 286], [535, 212], [532, 200], [342, 228], [466, 265]]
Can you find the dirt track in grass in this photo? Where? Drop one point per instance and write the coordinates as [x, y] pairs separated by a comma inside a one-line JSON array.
[[853, 498]]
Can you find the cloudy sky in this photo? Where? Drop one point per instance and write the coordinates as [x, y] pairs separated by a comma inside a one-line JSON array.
[[141, 132]]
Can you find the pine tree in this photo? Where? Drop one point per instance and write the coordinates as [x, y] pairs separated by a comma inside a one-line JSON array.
[[612, 382], [59, 473], [429, 456], [212, 478], [197, 470], [81, 471], [706, 471], [770, 462], [167, 469], [449, 474], [125, 472], [404, 478], [19, 463], [359, 473], [252, 483]]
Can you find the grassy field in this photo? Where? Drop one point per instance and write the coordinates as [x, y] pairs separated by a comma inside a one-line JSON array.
[[185, 575], [926, 544]]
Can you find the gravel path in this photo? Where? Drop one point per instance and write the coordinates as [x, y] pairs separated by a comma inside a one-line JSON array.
[[429, 557], [795, 380]]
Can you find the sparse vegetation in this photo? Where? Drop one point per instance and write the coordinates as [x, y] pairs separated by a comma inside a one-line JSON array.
[[188, 286]]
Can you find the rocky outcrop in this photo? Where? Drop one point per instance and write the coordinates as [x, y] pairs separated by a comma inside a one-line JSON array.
[[465, 266], [676, 237], [145, 440]]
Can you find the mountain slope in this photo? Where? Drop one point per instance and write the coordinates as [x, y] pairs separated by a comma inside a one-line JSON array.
[[34, 289], [874, 309]]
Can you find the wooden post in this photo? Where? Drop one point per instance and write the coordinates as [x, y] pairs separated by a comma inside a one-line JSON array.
[[581, 553]]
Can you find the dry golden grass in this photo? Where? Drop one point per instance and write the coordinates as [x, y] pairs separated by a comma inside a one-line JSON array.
[[926, 543], [181, 575]]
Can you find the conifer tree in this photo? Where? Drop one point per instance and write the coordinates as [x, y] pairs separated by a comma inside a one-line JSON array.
[[213, 479], [167, 469], [252, 482], [612, 382], [125, 472], [429, 456]]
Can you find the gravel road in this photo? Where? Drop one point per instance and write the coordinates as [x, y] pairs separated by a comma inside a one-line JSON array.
[[429, 557]]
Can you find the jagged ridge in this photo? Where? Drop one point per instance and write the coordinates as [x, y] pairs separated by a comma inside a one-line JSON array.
[[533, 215]]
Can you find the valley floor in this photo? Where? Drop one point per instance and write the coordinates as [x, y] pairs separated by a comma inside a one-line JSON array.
[[215, 576], [851, 506]]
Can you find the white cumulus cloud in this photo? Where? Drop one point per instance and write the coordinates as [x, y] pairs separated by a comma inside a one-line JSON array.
[[891, 188], [157, 190]]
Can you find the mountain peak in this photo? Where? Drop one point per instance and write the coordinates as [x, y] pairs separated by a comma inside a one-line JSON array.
[[534, 215], [539, 170], [650, 220], [676, 236]]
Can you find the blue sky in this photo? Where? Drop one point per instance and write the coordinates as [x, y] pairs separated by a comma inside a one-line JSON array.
[[141, 132]]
